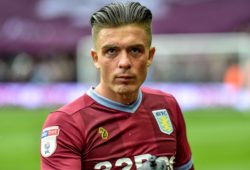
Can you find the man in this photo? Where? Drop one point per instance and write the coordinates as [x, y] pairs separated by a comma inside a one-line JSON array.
[[118, 124]]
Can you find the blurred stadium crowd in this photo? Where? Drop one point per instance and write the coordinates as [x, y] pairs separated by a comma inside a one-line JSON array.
[[24, 67]]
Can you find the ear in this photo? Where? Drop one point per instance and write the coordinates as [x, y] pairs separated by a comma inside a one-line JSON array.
[[151, 56], [95, 58]]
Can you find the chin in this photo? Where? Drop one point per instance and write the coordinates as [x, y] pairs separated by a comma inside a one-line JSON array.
[[126, 89]]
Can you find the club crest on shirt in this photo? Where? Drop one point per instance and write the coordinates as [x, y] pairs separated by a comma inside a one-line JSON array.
[[163, 121], [48, 140]]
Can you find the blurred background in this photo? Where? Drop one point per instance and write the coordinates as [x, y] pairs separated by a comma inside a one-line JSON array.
[[202, 58]]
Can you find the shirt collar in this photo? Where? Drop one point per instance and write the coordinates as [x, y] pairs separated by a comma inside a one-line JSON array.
[[115, 105]]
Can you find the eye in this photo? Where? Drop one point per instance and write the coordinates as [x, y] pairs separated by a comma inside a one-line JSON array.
[[111, 52], [136, 51]]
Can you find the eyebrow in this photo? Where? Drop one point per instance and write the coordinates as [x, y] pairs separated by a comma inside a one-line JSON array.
[[109, 46], [116, 46], [137, 45]]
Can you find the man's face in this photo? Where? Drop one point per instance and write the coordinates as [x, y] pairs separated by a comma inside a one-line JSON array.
[[122, 55]]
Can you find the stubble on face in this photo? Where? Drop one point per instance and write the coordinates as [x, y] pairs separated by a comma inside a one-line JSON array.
[[122, 77]]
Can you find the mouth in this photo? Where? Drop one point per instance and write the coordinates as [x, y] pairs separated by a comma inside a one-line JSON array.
[[124, 78]]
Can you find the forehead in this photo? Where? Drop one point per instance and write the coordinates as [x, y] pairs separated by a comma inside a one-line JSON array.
[[122, 36]]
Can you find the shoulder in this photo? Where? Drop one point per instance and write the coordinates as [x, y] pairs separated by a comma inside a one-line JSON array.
[[78, 104], [149, 92], [69, 113], [156, 98]]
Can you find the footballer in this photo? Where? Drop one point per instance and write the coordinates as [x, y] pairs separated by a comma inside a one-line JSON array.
[[118, 124]]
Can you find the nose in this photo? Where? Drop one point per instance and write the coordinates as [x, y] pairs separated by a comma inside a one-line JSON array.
[[124, 61]]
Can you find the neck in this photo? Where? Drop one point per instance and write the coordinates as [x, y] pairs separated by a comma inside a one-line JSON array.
[[124, 98]]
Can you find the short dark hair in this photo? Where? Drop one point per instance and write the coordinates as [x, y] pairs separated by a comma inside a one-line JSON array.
[[119, 14]]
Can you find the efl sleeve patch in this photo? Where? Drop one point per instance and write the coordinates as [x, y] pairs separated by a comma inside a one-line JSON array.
[[48, 140]]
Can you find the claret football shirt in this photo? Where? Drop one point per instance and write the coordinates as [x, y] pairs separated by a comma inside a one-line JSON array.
[[94, 133]]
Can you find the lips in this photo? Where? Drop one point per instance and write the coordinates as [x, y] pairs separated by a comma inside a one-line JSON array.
[[124, 77]]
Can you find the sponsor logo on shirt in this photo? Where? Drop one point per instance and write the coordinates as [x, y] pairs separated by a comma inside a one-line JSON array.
[[48, 140], [104, 133], [137, 161], [163, 121]]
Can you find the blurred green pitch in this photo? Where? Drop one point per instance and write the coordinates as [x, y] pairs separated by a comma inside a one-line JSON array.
[[220, 138]]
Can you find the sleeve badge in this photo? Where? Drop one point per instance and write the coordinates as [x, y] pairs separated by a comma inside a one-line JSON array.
[[48, 140]]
